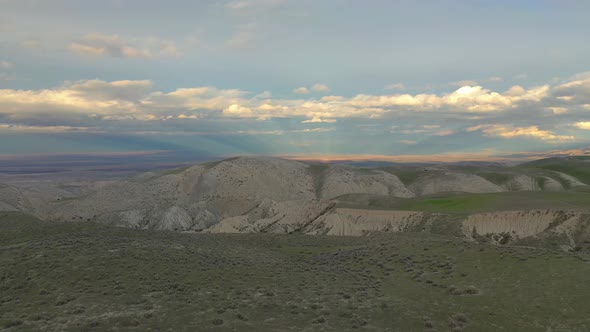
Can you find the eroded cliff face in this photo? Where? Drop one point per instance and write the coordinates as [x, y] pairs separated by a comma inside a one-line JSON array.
[[315, 218]]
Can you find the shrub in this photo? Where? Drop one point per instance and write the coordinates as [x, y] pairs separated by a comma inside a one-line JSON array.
[[12, 323]]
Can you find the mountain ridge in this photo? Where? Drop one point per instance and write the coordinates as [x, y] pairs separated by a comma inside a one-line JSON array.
[[266, 194]]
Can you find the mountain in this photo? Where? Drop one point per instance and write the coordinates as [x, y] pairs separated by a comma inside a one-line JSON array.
[[261, 194]]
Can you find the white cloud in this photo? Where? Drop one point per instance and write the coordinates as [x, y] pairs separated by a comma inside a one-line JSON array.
[[574, 91], [466, 99], [408, 142], [445, 133], [396, 86], [319, 120], [264, 95], [495, 79], [558, 110], [509, 131], [128, 100], [464, 83], [190, 116], [302, 90], [97, 44], [238, 111], [320, 88], [585, 125]]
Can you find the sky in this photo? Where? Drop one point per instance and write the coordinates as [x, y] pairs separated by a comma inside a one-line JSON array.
[[371, 79]]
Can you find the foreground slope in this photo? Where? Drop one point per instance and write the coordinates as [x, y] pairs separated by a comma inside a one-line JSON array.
[[88, 277]]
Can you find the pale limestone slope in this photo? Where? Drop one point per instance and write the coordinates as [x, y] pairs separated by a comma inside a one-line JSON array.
[[453, 182], [195, 198], [341, 180]]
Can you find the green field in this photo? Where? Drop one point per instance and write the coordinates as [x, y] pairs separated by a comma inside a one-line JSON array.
[[88, 277], [461, 203]]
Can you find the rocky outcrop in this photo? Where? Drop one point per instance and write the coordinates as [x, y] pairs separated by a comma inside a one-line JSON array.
[[518, 223], [355, 222]]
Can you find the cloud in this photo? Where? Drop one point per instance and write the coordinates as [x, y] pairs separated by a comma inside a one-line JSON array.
[[281, 132], [319, 120], [558, 110], [585, 125], [190, 116], [16, 128], [574, 91], [238, 111], [396, 86], [464, 99], [408, 142], [91, 102], [320, 88], [495, 79], [82, 98], [235, 132], [302, 90], [139, 99], [429, 130], [509, 131], [445, 133], [264, 95], [97, 44], [464, 83]]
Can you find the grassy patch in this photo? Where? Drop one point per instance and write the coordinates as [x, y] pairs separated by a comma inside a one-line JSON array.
[[83, 276], [489, 202], [460, 204]]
